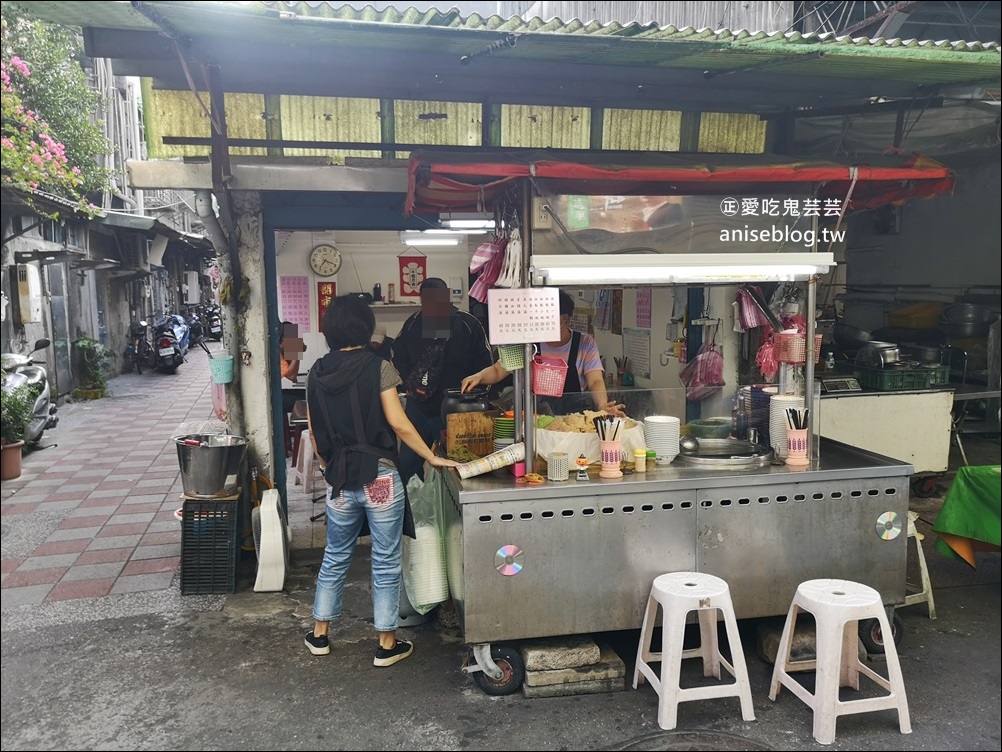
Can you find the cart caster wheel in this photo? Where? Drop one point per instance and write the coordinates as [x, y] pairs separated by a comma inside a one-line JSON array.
[[925, 488], [872, 635], [509, 660]]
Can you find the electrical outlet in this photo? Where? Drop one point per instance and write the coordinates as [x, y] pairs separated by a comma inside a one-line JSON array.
[[541, 219]]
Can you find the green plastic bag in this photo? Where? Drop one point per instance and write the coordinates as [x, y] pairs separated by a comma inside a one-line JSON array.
[[424, 572]]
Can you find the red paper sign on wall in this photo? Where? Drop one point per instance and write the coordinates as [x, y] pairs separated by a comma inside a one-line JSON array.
[[326, 291], [413, 271]]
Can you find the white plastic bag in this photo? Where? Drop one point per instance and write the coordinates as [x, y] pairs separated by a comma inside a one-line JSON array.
[[424, 573]]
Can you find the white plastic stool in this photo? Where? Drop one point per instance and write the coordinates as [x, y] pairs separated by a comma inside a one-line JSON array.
[[925, 594], [678, 593], [306, 462], [837, 607]]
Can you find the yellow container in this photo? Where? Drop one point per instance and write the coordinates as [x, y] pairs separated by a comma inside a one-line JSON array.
[[924, 315]]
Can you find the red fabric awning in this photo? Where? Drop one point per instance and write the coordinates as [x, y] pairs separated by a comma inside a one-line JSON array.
[[444, 182]]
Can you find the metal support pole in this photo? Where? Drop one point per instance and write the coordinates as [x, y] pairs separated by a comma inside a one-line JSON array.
[[523, 277], [812, 301]]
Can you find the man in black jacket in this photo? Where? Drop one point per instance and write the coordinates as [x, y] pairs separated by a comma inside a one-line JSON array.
[[453, 344]]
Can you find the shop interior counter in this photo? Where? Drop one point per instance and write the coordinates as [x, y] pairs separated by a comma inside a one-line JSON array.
[[575, 557]]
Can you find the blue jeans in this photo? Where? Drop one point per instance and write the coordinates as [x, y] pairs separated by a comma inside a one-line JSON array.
[[430, 427], [381, 502]]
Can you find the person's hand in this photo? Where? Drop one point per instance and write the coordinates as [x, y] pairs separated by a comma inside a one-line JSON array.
[[614, 408], [437, 461], [469, 382]]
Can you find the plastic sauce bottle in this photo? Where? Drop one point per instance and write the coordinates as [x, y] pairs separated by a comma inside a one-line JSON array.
[[640, 460]]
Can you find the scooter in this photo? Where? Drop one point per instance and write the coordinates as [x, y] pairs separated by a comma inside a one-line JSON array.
[[212, 321], [170, 337], [19, 370]]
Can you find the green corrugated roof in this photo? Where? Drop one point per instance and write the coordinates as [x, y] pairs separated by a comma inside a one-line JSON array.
[[647, 45]]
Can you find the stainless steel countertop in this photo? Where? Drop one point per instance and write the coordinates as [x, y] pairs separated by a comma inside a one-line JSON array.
[[838, 462]]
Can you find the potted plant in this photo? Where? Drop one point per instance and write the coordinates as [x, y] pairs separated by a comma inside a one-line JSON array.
[[16, 405], [90, 357]]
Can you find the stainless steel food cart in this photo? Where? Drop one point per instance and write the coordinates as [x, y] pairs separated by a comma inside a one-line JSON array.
[[579, 557]]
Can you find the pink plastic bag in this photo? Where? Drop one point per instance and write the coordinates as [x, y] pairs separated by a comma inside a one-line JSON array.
[[704, 374], [485, 252], [490, 271]]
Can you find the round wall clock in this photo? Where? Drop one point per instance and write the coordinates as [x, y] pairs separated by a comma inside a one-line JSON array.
[[325, 260]]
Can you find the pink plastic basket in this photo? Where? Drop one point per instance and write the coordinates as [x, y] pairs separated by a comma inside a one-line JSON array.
[[548, 376], [791, 348]]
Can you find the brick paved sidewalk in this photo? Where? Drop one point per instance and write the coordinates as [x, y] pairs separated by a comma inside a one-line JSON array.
[[94, 514]]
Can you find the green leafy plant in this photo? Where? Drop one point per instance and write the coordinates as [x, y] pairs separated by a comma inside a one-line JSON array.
[[90, 357], [16, 407], [49, 141]]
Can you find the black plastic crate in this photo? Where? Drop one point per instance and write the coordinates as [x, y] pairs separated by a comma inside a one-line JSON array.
[[209, 546]]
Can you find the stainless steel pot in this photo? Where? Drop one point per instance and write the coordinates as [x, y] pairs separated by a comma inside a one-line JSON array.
[[963, 313], [878, 354], [923, 353], [964, 329]]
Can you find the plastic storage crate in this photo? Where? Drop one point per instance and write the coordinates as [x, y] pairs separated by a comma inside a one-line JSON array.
[[209, 546], [896, 379]]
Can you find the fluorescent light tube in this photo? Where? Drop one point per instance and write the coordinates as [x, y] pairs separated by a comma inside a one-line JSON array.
[[680, 268], [430, 241], [469, 224]]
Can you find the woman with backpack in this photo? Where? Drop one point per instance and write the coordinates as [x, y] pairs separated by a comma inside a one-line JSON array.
[[355, 421]]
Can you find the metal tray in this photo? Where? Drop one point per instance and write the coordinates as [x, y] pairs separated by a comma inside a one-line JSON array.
[[725, 453]]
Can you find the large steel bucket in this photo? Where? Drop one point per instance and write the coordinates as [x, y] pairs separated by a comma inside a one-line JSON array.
[[210, 464]]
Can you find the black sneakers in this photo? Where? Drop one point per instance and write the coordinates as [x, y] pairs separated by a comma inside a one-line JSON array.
[[387, 657], [318, 645]]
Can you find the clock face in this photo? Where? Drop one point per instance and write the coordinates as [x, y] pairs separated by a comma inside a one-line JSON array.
[[325, 260]]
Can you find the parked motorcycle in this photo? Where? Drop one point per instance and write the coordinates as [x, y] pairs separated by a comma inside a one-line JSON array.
[[19, 370], [195, 324], [212, 320], [170, 337]]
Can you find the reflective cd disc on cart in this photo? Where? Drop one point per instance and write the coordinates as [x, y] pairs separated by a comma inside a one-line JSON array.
[[889, 525], [509, 560]]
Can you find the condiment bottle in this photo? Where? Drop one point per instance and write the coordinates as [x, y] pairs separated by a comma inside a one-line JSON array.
[[639, 460], [652, 460]]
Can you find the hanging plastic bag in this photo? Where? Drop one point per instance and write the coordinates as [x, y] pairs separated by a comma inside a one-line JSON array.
[[490, 270], [750, 314], [766, 361], [424, 573], [485, 252], [704, 375], [512, 266]]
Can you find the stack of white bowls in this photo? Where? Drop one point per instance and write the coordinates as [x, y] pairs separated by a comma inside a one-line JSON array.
[[661, 433], [778, 422], [426, 580]]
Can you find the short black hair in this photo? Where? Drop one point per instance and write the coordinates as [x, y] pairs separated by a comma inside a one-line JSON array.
[[348, 322], [434, 283], [566, 303]]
